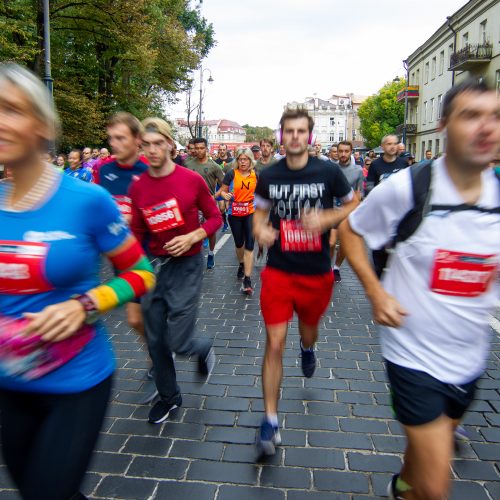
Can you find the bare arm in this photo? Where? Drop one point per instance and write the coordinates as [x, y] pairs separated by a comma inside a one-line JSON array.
[[386, 309], [264, 233]]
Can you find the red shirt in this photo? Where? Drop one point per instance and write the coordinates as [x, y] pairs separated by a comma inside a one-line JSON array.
[[173, 200]]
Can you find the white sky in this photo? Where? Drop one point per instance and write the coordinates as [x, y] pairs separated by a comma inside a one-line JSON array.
[[270, 52]]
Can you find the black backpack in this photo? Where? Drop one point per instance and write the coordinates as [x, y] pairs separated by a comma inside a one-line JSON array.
[[421, 181]]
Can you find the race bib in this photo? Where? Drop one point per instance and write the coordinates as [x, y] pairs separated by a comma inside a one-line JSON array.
[[240, 208], [294, 238], [22, 267], [28, 356], [163, 216], [462, 274], [124, 204]]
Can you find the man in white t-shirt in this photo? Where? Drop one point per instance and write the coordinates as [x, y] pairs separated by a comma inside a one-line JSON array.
[[440, 285]]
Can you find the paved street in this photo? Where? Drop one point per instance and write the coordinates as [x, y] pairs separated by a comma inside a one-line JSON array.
[[339, 438]]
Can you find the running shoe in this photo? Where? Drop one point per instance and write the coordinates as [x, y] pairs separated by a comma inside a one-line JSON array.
[[336, 275], [247, 288], [308, 362], [461, 434], [225, 227], [205, 243], [241, 272], [210, 262], [268, 438], [161, 410], [392, 492], [206, 363]]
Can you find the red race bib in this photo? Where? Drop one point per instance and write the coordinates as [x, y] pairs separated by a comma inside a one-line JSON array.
[[294, 238], [124, 204], [163, 216], [462, 274], [240, 208], [22, 267]]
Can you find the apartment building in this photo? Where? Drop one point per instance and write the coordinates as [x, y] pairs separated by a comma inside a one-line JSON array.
[[468, 43]]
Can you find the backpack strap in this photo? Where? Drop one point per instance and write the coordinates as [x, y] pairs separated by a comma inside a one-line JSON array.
[[420, 174]]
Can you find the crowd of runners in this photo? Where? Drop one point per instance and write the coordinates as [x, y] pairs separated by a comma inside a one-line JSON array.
[[431, 272]]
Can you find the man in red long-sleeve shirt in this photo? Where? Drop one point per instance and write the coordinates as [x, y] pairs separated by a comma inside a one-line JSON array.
[[165, 204]]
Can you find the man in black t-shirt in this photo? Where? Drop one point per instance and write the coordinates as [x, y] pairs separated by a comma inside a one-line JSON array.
[[389, 163], [381, 169], [294, 213]]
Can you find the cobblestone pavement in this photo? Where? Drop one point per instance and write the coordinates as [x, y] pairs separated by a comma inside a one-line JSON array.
[[340, 440]]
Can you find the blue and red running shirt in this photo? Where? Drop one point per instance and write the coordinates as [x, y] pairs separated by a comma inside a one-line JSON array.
[[116, 179], [51, 253]]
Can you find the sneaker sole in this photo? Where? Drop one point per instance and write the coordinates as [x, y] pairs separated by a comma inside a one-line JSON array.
[[268, 448], [162, 419]]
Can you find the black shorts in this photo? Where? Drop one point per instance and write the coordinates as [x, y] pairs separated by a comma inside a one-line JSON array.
[[418, 398]]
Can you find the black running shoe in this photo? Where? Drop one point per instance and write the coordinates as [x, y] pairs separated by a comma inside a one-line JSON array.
[[161, 410], [308, 362], [206, 363], [241, 272], [392, 492], [247, 288], [336, 275]]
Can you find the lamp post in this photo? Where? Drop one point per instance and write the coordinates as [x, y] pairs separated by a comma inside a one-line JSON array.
[[200, 112], [405, 65]]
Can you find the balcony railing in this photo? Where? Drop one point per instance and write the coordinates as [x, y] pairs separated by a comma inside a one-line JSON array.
[[411, 129], [412, 91], [470, 56]]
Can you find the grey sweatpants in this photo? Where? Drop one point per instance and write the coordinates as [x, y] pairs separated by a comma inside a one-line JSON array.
[[169, 320]]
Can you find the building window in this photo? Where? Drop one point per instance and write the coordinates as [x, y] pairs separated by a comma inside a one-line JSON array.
[[341, 136], [424, 114], [482, 32], [436, 151], [431, 111], [422, 156], [465, 39], [413, 82], [450, 52], [433, 68], [429, 145], [441, 62], [418, 77], [426, 74], [416, 114], [332, 137], [439, 104], [332, 121]]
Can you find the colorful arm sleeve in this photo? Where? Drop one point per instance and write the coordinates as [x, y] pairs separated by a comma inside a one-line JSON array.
[[134, 278]]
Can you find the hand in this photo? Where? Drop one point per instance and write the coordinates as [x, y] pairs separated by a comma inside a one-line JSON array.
[[314, 221], [56, 322], [266, 236], [387, 310], [227, 196], [179, 245]]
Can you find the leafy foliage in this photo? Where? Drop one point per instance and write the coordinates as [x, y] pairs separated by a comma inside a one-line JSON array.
[[130, 55], [255, 134], [380, 114]]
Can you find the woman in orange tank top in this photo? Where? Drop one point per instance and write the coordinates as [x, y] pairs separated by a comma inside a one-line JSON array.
[[238, 187]]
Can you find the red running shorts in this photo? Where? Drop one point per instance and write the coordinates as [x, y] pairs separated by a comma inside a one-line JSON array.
[[283, 293]]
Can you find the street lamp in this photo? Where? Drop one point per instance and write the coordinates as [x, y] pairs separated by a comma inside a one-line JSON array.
[[210, 80], [405, 65]]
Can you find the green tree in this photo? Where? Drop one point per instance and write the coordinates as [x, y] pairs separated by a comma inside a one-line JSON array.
[[380, 114], [255, 134], [131, 55]]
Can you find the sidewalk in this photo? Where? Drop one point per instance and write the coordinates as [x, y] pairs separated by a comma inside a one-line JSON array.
[[340, 440]]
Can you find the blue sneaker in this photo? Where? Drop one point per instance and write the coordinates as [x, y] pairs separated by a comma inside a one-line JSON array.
[[210, 262], [225, 227], [205, 243], [268, 438], [308, 362]]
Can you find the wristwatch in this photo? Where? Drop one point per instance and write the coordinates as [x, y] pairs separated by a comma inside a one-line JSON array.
[[89, 307]]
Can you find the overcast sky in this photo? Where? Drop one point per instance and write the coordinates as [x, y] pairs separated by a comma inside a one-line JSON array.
[[270, 52]]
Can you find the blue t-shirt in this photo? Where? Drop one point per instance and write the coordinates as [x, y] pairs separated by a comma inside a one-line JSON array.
[[82, 173], [116, 178], [66, 240]]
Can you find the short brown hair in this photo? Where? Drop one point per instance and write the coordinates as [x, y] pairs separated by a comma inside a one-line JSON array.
[[128, 119], [266, 141], [294, 113], [345, 143]]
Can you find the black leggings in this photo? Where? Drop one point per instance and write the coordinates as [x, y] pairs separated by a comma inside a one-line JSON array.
[[241, 228], [48, 439]]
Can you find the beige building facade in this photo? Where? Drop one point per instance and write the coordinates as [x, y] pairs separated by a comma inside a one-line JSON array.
[[468, 44]]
